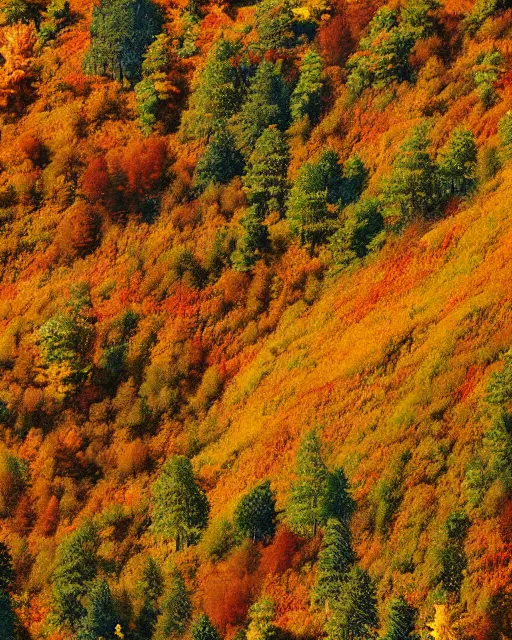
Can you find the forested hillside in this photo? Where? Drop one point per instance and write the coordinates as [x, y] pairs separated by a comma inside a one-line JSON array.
[[255, 320]]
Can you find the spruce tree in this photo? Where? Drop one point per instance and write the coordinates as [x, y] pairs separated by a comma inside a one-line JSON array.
[[203, 629], [355, 177], [316, 187], [338, 502], [150, 588], [7, 617], [305, 510], [255, 515], [100, 621], [334, 562], [266, 104], [457, 163], [220, 162], [363, 222], [120, 32], [76, 568], [6, 570], [413, 187], [176, 609], [180, 507], [306, 97], [217, 92], [265, 180], [401, 621], [275, 25], [355, 612], [254, 242]]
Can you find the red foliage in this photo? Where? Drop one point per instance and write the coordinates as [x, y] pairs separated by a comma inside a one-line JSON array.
[[335, 39], [142, 165], [96, 180], [278, 556], [33, 149], [50, 517]]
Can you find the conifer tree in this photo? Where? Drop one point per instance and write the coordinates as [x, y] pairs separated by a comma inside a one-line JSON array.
[[363, 222], [76, 568], [255, 515], [457, 163], [338, 502], [150, 588], [355, 611], [190, 20], [306, 505], [120, 32], [220, 162], [266, 104], [413, 187], [7, 617], [100, 621], [254, 241], [176, 609], [261, 620], [315, 188], [306, 97], [401, 621], [275, 25], [180, 507], [355, 176], [265, 180], [217, 93], [334, 562], [203, 629]]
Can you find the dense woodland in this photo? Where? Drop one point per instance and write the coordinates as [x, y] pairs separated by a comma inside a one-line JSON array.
[[255, 319]]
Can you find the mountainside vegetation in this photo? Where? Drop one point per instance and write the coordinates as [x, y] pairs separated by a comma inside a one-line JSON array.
[[255, 320]]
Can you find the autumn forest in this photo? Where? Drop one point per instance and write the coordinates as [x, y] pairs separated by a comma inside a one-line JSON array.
[[255, 319]]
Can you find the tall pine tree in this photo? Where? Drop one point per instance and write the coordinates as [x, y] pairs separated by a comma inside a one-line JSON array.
[[255, 515], [401, 621], [176, 609], [306, 97]]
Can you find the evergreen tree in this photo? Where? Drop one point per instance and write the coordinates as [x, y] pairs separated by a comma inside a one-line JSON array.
[[220, 162], [338, 502], [176, 609], [261, 620], [362, 224], [334, 562], [180, 507], [383, 54], [315, 188], [217, 92], [100, 621], [190, 20], [255, 515], [482, 10], [120, 32], [76, 568], [254, 242], [457, 164], [505, 129], [275, 25], [7, 617], [421, 17], [355, 177], [150, 588], [489, 67], [355, 611], [401, 621], [266, 104], [306, 505], [306, 97], [452, 556], [498, 441], [265, 180], [203, 629], [413, 187]]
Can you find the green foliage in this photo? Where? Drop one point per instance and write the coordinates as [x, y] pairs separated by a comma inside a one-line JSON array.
[[100, 621], [176, 609], [488, 68], [150, 587], [355, 611], [180, 507], [314, 497], [7, 617], [306, 97], [498, 441], [203, 629], [317, 186], [388, 495], [401, 621], [121, 30], [217, 92], [6, 570], [255, 515], [14, 11], [266, 104], [482, 10], [16, 474], [76, 567], [334, 561], [421, 18], [190, 20], [355, 177], [505, 129], [254, 241], [153, 91], [57, 16], [361, 225], [220, 162], [275, 25], [261, 620], [457, 163], [383, 54], [452, 556], [265, 180], [412, 189]]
